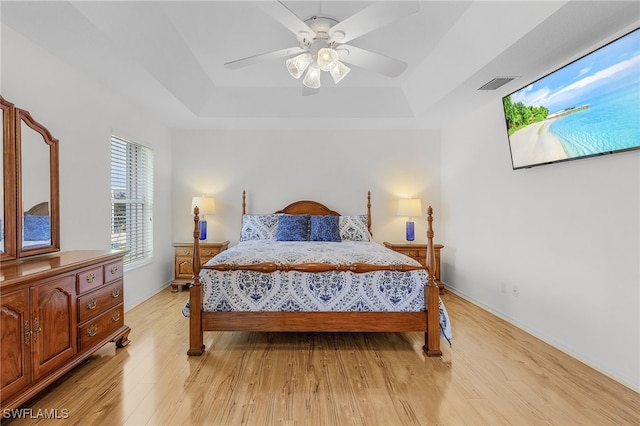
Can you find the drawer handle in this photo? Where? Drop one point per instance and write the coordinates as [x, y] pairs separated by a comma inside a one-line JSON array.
[[91, 277], [36, 330], [115, 316], [92, 303], [91, 331], [208, 252], [115, 292], [114, 269], [27, 333]]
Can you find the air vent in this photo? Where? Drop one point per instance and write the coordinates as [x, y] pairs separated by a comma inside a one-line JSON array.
[[496, 83]]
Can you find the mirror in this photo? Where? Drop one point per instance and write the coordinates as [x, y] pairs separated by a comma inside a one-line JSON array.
[[34, 175], [30, 214], [38, 176]]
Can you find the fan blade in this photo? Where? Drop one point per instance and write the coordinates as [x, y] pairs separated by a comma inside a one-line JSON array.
[[251, 60], [308, 91], [371, 18], [371, 61], [282, 14]]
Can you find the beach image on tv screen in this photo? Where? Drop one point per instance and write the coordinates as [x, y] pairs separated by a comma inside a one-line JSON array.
[[586, 108]]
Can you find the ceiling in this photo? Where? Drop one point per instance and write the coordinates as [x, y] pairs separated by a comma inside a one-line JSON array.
[[167, 57]]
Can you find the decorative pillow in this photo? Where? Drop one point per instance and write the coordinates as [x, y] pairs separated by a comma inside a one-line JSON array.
[[259, 227], [354, 228], [324, 228], [292, 227], [37, 228]]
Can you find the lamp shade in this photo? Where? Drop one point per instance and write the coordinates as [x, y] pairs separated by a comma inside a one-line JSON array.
[[312, 78], [297, 65], [327, 58], [339, 72], [410, 207], [207, 205]]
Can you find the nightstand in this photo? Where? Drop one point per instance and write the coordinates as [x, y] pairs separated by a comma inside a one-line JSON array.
[[418, 252], [183, 261]]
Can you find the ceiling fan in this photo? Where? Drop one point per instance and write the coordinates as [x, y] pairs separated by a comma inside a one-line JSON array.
[[322, 43]]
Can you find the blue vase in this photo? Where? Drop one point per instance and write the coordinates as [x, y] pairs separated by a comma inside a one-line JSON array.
[[203, 229], [410, 231]]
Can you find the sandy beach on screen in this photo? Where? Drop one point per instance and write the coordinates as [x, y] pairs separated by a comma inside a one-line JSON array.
[[535, 144]]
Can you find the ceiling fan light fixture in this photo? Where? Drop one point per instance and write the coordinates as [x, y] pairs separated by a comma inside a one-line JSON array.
[[327, 58], [312, 78], [298, 64], [339, 72]]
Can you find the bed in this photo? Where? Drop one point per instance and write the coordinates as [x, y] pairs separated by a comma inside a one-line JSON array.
[[327, 277], [36, 226]]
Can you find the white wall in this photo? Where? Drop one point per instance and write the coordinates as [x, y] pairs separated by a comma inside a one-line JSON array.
[[82, 115], [276, 168], [564, 235]]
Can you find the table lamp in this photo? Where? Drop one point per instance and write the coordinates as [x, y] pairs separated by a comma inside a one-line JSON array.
[[410, 207], [207, 205]]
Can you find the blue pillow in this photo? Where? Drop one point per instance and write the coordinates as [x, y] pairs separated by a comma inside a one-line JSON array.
[[325, 228], [37, 228], [292, 227]]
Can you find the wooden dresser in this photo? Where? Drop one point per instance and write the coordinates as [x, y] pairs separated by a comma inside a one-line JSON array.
[[418, 252], [55, 311], [183, 261]]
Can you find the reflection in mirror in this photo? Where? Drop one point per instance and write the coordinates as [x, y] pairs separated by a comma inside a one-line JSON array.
[[35, 173]]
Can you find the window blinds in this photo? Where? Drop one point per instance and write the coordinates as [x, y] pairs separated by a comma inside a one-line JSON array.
[[131, 199]]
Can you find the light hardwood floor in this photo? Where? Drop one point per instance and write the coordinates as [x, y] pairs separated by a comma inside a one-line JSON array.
[[494, 374]]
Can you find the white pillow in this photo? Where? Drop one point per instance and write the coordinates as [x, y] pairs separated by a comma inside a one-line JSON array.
[[354, 228], [259, 227]]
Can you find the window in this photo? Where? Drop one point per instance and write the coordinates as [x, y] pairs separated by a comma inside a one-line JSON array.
[[131, 200]]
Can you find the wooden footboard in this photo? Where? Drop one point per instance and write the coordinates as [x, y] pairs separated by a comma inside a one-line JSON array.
[[427, 321]]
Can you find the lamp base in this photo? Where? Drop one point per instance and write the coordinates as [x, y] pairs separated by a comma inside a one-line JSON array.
[[411, 235], [203, 229]]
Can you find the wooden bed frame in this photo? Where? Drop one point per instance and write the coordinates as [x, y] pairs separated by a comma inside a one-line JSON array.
[[427, 322]]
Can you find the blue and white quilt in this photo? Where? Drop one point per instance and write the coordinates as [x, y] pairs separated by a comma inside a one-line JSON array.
[[379, 291]]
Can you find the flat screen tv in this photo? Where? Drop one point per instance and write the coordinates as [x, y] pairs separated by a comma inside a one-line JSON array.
[[589, 107]]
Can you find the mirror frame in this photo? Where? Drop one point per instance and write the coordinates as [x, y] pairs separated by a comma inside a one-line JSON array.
[[54, 195], [13, 118], [9, 179]]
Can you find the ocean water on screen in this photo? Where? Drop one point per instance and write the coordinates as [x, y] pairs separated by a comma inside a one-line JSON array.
[[612, 122]]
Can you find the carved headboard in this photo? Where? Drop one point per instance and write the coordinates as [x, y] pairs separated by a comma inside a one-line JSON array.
[[40, 209], [313, 208]]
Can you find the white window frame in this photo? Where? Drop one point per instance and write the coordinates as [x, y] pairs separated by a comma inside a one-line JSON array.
[[132, 201]]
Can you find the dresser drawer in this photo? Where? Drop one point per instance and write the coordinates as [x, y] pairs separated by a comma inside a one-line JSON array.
[[98, 301], [183, 268], [410, 253], [93, 331], [418, 255], [208, 253], [90, 279], [183, 251], [113, 271]]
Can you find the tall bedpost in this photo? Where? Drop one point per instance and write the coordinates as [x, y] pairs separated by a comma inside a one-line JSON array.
[[369, 212], [244, 202], [196, 345], [432, 295]]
